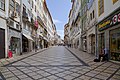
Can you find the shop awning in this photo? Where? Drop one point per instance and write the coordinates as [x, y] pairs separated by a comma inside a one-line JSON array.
[[28, 37]]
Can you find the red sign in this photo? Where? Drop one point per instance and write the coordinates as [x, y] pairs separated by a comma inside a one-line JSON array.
[[119, 17], [116, 18], [112, 20], [36, 24]]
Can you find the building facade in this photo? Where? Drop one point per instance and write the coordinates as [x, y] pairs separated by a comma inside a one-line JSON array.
[[66, 35], [91, 26], [108, 28], [74, 24], [26, 25], [3, 28], [99, 27]]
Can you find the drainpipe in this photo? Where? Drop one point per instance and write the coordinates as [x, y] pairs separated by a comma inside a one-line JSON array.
[[21, 8], [96, 46]]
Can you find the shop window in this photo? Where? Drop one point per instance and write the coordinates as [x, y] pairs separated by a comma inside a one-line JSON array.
[[101, 43], [100, 7], [118, 45], [2, 5], [115, 44]]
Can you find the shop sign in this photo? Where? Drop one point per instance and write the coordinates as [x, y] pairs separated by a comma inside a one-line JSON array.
[[36, 24], [14, 33], [109, 22], [114, 1]]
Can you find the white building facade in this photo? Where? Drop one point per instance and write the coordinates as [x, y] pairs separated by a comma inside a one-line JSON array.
[[108, 28], [26, 25]]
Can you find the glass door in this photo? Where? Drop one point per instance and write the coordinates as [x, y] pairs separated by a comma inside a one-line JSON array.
[[101, 43]]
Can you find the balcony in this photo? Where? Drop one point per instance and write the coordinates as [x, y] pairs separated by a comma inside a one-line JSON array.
[[78, 17], [41, 22], [25, 16], [34, 23]]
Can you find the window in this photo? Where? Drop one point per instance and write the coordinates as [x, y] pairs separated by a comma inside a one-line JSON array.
[[2, 5], [29, 1], [17, 27], [90, 16], [12, 5], [11, 23], [32, 4], [17, 8], [114, 1], [93, 14], [100, 7], [115, 44], [24, 25], [29, 13], [28, 28], [35, 8], [24, 8], [101, 42]]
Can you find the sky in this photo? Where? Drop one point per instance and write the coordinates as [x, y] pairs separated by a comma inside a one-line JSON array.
[[59, 10]]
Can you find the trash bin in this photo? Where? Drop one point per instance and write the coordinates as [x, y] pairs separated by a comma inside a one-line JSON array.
[[10, 54]]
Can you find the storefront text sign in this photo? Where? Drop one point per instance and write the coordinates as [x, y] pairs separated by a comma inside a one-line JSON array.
[[114, 1], [115, 19]]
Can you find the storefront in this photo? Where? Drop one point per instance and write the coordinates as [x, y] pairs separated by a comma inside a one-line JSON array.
[[84, 43], [115, 44], [3, 38], [45, 42], [14, 41], [91, 40], [40, 42], [2, 42], [109, 35], [91, 43], [27, 43]]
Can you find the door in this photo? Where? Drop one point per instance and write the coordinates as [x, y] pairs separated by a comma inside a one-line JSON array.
[[2, 43], [101, 43]]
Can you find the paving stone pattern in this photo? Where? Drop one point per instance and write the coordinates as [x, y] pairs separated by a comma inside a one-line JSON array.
[[58, 63]]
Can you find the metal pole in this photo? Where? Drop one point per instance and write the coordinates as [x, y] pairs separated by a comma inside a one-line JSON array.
[[36, 42], [21, 7], [96, 39]]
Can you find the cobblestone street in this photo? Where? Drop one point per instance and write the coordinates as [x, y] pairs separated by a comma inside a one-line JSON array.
[[58, 63]]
